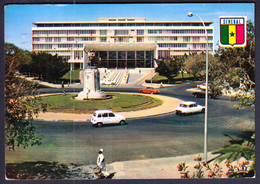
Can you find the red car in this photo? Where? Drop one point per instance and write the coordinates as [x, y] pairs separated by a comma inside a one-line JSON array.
[[149, 90]]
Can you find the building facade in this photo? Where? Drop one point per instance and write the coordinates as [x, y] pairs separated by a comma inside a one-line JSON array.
[[121, 42]]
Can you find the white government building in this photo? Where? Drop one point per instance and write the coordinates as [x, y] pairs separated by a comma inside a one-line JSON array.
[[121, 42]]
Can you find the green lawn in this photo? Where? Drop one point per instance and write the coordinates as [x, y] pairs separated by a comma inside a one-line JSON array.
[[177, 77], [74, 75], [118, 103]]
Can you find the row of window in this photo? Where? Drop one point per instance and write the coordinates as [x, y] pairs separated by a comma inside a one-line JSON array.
[[125, 55], [50, 46], [172, 45], [162, 38], [202, 46], [121, 39], [119, 24], [119, 32], [59, 39], [62, 32], [165, 45], [70, 45], [184, 45], [180, 31], [166, 53], [59, 52]]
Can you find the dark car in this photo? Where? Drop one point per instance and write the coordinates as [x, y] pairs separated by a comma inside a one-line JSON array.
[[201, 94]]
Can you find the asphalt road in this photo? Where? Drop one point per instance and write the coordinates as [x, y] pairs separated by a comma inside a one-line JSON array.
[[154, 137]]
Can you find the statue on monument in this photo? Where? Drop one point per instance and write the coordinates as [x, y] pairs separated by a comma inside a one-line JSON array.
[[91, 78]]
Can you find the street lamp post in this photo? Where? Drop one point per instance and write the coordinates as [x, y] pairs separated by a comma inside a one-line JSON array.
[[70, 72], [190, 14]]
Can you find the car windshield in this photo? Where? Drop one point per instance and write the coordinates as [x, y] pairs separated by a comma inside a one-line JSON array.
[[183, 105]]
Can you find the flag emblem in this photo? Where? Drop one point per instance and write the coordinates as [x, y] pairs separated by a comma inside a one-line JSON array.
[[232, 31]]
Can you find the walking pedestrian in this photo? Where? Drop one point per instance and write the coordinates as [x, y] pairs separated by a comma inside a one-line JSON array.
[[101, 160], [62, 87]]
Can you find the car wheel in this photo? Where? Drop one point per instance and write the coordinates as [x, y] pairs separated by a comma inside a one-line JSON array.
[[195, 96], [122, 122], [99, 125], [179, 113], [203, 110]]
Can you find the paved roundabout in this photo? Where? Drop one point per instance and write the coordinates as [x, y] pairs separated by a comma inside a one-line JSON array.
[[169, 104]]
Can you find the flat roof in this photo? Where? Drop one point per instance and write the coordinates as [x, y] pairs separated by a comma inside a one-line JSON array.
[[88, 22]]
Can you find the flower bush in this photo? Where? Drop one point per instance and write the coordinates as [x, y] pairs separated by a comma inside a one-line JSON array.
[[242, 170], [215, 170]]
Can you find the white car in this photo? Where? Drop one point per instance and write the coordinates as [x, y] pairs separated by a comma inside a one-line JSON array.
[[101, 117], [108, 82], [189, 107], [203, 86]]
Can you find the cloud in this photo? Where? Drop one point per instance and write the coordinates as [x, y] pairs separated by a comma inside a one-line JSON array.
[[25, 42], [58, 5], [61, 5]]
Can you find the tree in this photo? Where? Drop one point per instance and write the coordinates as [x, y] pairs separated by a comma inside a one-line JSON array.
[[21, 104], [23, 58], [47, 67], [168, 67], [195, 64]]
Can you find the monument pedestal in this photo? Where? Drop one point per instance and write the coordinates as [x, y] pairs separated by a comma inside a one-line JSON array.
[[91, 85]]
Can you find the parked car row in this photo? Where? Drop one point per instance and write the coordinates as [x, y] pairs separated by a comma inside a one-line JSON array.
[[107, 82]]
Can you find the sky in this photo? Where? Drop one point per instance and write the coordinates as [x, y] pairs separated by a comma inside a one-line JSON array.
[[19, 18]]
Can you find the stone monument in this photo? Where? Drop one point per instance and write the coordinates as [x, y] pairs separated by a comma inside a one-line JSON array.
[[91, 79]]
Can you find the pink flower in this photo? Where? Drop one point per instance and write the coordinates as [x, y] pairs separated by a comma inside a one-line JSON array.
[[227, 173], [210, 174], [183, 175], [179, 167], [204, 164], [236, 168], [228, 164]]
